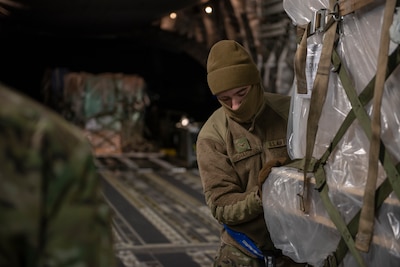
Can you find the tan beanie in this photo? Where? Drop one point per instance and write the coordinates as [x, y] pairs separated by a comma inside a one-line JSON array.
[[230, 66]]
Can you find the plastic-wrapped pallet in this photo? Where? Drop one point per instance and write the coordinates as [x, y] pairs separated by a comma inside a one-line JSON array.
[[313, 236]]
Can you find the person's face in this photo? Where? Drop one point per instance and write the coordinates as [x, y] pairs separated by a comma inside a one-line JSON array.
[[234, 97]]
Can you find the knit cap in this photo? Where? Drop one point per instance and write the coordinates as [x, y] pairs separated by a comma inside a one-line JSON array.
[[230, 66]]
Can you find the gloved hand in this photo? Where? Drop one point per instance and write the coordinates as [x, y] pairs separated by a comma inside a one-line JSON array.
[[266, 170]]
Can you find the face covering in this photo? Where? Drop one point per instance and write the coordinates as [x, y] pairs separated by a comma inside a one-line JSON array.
[[249, 107]]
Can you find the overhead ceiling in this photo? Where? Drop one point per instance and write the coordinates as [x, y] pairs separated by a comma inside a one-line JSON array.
[[87, 17], [44, 22], [99, 36], [129, 36]]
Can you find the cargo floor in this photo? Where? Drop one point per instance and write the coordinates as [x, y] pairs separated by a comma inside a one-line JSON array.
[[160, 218]]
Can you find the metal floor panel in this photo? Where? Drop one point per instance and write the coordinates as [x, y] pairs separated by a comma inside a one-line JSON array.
[[160, 218]]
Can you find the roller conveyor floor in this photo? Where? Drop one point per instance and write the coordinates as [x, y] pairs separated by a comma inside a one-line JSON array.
[[160, 217]]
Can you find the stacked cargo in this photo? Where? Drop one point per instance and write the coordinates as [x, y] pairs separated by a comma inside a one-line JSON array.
[[314, 215], [111, 108]]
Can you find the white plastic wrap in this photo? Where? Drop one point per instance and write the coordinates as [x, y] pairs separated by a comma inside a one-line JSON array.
[[311, 238], [358, 47]]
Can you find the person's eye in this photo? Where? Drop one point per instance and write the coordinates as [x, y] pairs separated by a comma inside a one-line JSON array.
[[242, 93]]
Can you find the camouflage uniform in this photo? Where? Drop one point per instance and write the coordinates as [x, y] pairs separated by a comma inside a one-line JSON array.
[[52, 212]]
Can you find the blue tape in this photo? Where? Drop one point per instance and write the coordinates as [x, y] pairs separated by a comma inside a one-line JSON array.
[[246, 242]]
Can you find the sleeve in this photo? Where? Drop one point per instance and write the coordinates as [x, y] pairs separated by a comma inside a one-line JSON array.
[[77, 217], [225, 193], [52, 210]]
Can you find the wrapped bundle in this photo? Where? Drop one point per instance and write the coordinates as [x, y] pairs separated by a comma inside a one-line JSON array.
[[312, 235]]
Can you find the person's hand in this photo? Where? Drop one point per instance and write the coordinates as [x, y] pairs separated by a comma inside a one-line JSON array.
[[266, 170]]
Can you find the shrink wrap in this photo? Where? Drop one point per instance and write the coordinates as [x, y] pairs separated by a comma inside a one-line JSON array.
[[312, 237]]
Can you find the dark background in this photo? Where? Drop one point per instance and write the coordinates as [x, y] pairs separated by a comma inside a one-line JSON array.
[[175, 81]]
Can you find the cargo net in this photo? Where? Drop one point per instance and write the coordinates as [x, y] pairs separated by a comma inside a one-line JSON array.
[[313, 235]]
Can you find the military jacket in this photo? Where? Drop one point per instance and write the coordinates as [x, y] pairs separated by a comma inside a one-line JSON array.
[[230, 156], [52, 212]]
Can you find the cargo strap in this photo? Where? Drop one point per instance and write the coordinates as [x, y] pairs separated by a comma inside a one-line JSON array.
[[317, 167], [300, 60], [349, 6], [318, 96], [366, 225], [391, 183]]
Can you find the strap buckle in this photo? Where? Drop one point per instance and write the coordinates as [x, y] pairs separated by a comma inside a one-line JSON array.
[[322, 19], [319, 21], [269, 261]]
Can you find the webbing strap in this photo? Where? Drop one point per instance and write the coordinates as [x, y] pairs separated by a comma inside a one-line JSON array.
[[349, 6], [358, 103], [364, 97], [299, 164], [318, 96], [392, 183], [335, 216], [363, 117], [367, 218], [347, 241], [300, 62], [382, 193]]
